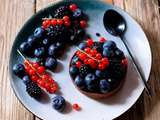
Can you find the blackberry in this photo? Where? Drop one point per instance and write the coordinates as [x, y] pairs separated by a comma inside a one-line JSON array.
[[83, 70], [57, 33], [98, 46], [119, 54], [33, 90], [113, 83], [61, 12], [117, 70]]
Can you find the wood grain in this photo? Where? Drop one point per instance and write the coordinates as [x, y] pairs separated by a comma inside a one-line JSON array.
[[13, 14]]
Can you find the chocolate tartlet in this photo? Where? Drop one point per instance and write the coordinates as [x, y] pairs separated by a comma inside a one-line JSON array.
[[98, 69]]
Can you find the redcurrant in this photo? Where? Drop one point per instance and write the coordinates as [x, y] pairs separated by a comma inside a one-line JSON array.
[[83, 24], [73, 7], [76, 107], [41, 69], [59, 22], [102, 39], [66, 18], [78, 64], [54, 22], [89, 42]]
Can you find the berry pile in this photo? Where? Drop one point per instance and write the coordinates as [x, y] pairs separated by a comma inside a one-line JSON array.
[[35, 77], [38, 75], [46, 44], [91, 57], [48, 41], [98, 67], [31, 87]]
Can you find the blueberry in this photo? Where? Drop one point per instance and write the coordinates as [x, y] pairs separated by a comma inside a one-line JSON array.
[[25, 48], [82, 45], [108, 53], [46, 42], [110, 44], [39, 52], [19, 70], [51, 63], [26, 79], [74, 60], [104, 86], [99, 73], [32, 40], [79, 82], [119, 54], [91, 82], [77, 14], [73, 70], [39, 32], [58, 103], [53, 50]]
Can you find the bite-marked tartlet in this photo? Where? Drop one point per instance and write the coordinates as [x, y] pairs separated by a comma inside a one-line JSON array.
[[98, 69]]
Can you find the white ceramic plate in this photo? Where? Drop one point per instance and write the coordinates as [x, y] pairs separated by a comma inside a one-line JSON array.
[[91, 109]]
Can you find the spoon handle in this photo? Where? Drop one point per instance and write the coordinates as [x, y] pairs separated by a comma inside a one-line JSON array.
[[148, 90]]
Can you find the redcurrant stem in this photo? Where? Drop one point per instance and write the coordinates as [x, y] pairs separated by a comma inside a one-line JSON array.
[[47, 18], [28, 63], [39, 75], [93, 57], [87, 54], [21, 54]]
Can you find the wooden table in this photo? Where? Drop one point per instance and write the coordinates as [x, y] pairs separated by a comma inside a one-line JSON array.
[[14, 13]]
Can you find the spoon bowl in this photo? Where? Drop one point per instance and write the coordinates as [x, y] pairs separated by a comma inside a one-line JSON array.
[[114, 23]]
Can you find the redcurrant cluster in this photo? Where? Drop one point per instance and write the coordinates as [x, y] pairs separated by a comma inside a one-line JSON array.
[[64, 21], [91, 57], [73, 8], [38, 74]]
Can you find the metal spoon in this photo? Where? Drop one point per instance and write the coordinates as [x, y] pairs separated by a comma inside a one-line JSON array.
[[116, 25]]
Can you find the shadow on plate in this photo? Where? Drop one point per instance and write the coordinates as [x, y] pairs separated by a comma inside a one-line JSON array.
[[45, 98], [59, 67], [68, 108], [131, 82]]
